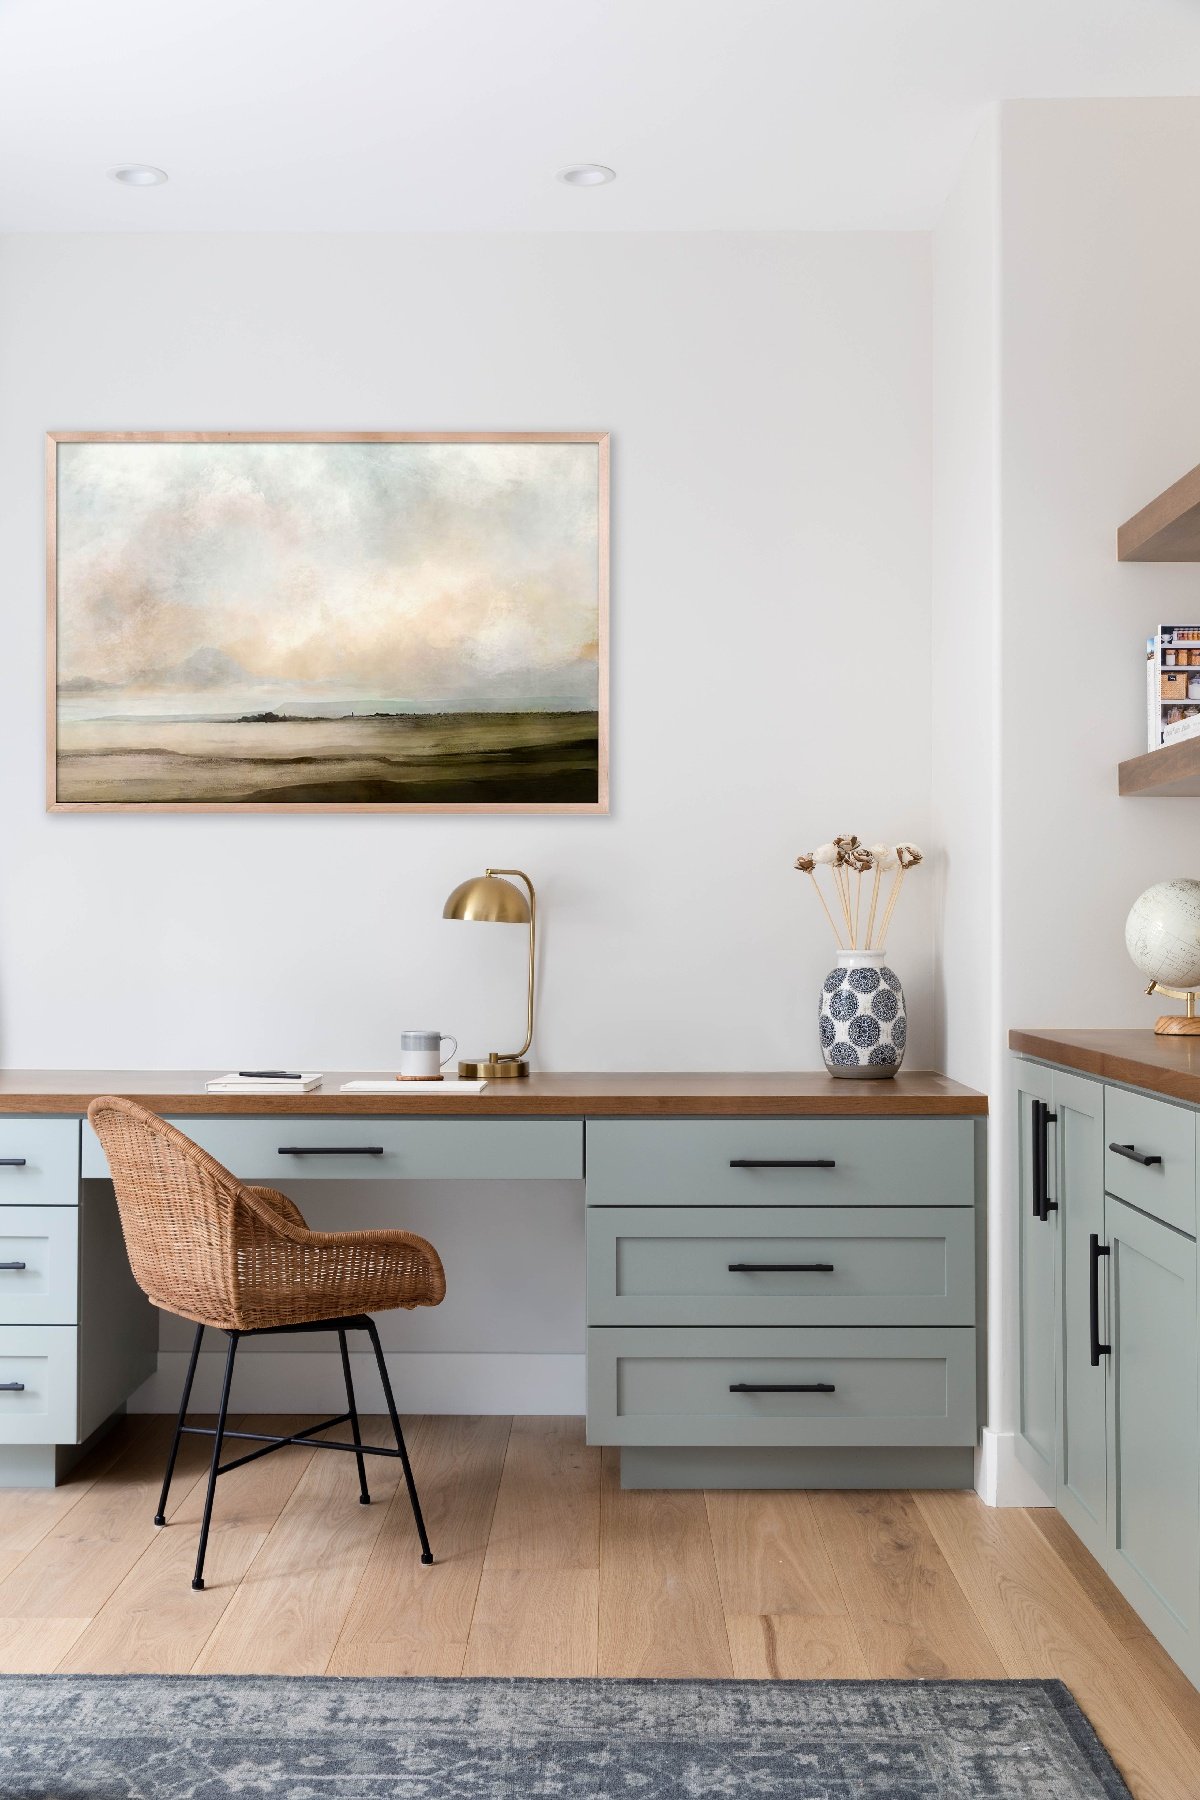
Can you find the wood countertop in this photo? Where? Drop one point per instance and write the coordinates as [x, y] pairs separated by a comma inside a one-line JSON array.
[[64, 1092], [1164, 1065]]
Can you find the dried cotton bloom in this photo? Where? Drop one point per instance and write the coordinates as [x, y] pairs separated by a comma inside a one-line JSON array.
[[884, 855], [806, 862], [908, 856], [825, 853]]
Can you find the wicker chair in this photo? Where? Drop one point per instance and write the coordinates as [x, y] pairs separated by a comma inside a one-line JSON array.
[[242, 1260]]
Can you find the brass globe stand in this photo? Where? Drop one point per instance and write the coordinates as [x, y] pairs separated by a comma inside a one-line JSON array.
[[1176, 1024]]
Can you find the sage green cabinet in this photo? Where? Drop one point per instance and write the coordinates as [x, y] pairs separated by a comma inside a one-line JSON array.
[[1081, 1473], [1110, 1336], [1037, 1227], [1154, 1427]]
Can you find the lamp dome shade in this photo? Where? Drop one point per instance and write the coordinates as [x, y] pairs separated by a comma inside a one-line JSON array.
[[489, 898]]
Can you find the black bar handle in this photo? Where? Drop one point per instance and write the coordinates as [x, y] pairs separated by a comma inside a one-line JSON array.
[[12, 1387], [13, 1265], [1095, 1251], [1043, 1118], [761, 1162], [770, 1268], [331, 1149], [1132, 1155], [12, 1162], [781, 1387], [1037, 1150]]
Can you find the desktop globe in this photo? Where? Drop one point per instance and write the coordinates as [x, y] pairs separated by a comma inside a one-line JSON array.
[[1162, 936]]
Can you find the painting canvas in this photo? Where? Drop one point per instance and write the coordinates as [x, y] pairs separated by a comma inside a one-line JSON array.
[[328, 621]]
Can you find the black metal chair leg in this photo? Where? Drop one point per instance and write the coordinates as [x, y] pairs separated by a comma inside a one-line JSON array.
[[364, 1492], [426, 1552], [160, 1517], [214, 1466]]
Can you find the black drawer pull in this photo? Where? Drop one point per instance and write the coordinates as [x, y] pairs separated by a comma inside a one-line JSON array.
[[12, 1265], [331, 1149], [12, 1387], [12, 1162], [774, 1268], [1043, 1118], [761, 1162], [1132, 1155], [1095, 1251], [781, 1387]]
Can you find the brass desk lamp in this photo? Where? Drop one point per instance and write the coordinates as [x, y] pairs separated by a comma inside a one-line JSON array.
[[497, 902]]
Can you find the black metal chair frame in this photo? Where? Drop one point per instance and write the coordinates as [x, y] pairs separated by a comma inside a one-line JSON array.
[[219, 1432]]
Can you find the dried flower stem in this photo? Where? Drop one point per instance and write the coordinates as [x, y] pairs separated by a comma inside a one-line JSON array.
[[843, 881], [891, 905], [875, 886], [825, 908]]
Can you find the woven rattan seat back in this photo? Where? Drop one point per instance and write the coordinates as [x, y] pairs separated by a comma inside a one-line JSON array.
[[204, 1245]]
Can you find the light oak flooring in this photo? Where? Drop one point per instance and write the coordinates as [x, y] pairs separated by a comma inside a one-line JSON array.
[[546, 1567]]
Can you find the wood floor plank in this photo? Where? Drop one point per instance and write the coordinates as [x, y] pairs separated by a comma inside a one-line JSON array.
[[909, 1613], [548, 1509], [407, 1619], [155, 1623], [77, 1565], [1043, 1623], [660, 1602], [536, 1611], [536, 1622], [285, 1616], [1147, 1654], [28, 1514], [785, 1613], [37, 1646]]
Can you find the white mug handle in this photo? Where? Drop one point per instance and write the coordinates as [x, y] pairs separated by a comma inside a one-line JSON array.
[[453, 1048]]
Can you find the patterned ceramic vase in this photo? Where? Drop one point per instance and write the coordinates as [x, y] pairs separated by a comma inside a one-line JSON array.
[[863, 1020]]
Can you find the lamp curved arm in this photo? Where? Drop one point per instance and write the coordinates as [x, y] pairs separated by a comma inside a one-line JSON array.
[[516, 1055]]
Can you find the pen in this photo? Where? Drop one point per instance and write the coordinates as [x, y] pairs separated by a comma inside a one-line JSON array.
[[267, 1075]]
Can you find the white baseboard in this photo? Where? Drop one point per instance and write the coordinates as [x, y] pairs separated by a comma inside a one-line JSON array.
[[1000, 1479], [267, 1381]]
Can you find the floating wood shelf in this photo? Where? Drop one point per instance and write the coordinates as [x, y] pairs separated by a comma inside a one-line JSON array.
[[1168, 530], [1172, 770]]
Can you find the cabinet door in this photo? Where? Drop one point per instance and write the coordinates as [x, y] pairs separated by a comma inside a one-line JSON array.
[[1038, 1237], [1078, 1139], [1153, 1427]]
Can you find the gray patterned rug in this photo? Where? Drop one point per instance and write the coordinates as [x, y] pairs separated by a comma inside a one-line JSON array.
[[149, 1737]]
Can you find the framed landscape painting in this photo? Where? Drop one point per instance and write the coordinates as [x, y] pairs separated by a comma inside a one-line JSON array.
[[328, 621]]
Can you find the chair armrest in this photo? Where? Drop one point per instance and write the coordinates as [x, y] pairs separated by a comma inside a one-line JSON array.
[[280, 1205], [317, 1274]]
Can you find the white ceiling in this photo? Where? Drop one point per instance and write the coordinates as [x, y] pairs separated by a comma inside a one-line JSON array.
[[411, 115]]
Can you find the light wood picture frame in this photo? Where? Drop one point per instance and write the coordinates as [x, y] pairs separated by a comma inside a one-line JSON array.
[[381, 622]]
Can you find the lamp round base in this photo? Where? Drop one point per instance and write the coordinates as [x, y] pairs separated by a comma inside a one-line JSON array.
[[488, 1068]]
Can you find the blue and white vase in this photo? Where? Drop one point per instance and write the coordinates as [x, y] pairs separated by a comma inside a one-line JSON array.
[[863, 1020]]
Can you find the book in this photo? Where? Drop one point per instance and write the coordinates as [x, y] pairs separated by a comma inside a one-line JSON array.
[[1182, 728], [234, 1083], [450, 1086]]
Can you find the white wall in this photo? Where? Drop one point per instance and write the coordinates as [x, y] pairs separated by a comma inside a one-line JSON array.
[[769, 403]]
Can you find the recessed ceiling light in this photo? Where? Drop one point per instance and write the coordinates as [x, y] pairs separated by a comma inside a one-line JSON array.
[[587, 175], [138, 175]]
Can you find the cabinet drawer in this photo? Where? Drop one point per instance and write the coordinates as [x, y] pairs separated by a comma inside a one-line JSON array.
[[39, 1162], [833, 1162], [1165, 1189], [42, 1359], [44, 1242], [651, 1265], [277, 1151], [673, 1386]]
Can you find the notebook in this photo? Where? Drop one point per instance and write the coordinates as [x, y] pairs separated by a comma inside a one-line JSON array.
[[234, 1083], [400, 1088]]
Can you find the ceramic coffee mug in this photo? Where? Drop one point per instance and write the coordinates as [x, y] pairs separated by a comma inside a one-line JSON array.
[[421, 1056]]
